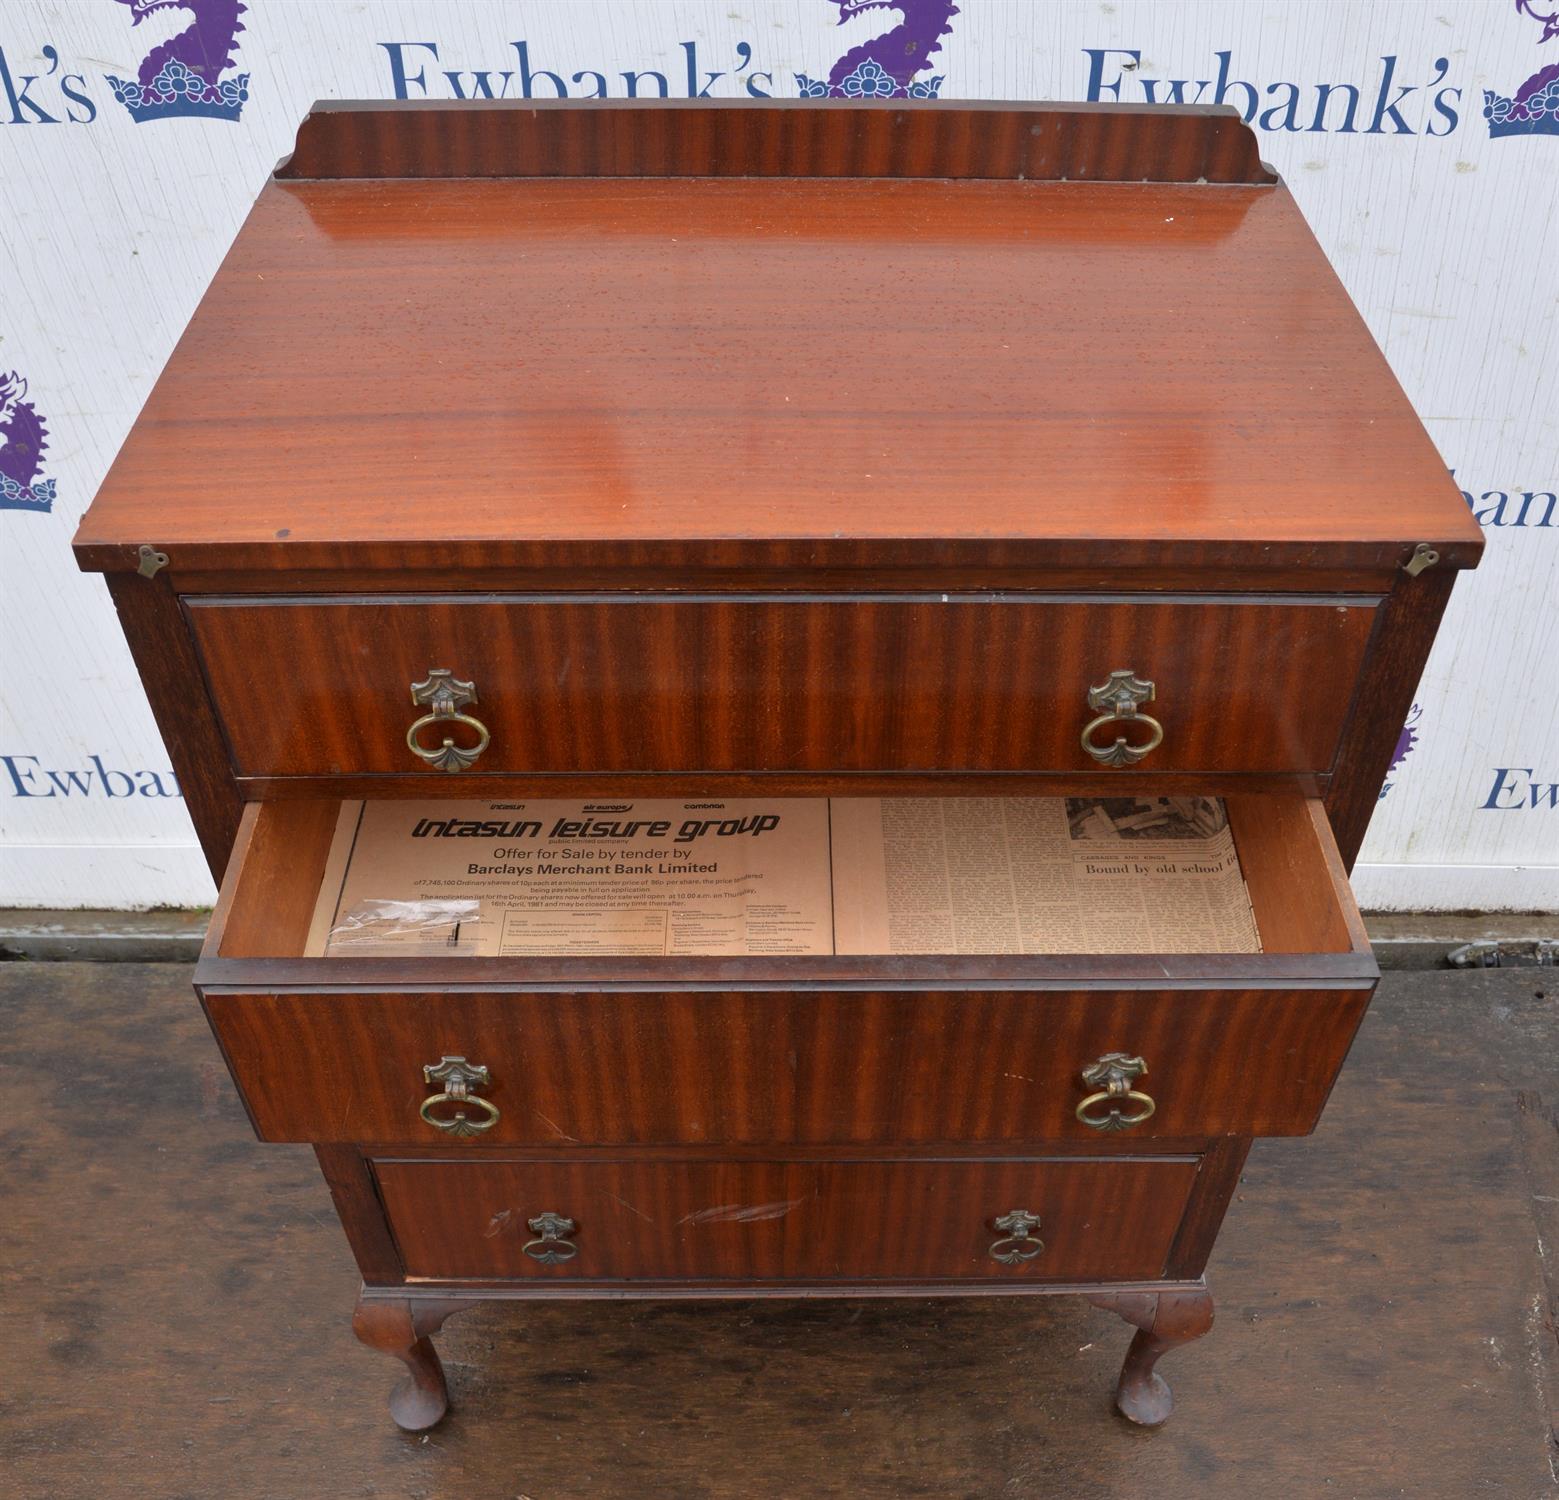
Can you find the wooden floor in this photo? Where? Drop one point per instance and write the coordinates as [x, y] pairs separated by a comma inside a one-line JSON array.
[[176, 1303]]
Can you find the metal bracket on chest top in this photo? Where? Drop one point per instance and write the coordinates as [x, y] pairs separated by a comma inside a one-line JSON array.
[[151, 561]]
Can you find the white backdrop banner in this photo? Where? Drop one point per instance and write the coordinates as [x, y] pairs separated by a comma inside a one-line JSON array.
[[1422, 142]]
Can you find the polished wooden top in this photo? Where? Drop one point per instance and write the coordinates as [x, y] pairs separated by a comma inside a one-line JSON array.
[[772, 370]]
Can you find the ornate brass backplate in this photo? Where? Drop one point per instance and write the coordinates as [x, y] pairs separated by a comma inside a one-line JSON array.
[[1119, 701], [552, 1245], [458, 1078], [1112, 1076], [1017, 1244], [445, 694]]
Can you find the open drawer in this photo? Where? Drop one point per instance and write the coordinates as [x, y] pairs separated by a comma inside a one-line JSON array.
[[899, 1049]]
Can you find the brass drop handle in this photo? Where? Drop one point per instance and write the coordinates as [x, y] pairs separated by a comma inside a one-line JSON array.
[[445, 695], [457, 1078], [551, 1245], [1017, 1244], [1112, 1076], [1118, 701]]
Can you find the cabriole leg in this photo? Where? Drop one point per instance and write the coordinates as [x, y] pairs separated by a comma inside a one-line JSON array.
[[404, 1326], [1163, 1320]]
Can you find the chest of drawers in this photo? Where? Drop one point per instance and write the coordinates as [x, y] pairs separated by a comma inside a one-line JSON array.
[[732, 450]]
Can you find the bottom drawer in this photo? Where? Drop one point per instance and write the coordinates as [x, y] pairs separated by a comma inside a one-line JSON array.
[[704, 1220]]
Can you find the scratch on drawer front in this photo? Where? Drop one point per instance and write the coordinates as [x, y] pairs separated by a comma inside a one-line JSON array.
[[553, 1125], [737, 1213], [499, 1222], [631, 1209]]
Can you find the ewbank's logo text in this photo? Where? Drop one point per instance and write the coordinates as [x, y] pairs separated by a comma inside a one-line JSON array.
[[417, 72], [875, 64], [27, 776], [1516, 789], [1518, 509], [1385, 98]]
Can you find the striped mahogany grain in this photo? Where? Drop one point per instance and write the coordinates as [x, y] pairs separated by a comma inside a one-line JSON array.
[[633, 684], [819, 1067], [785, 1220], [775, 138], [465, 372]]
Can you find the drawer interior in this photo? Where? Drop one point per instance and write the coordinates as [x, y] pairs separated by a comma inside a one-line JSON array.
[[1298, 892]]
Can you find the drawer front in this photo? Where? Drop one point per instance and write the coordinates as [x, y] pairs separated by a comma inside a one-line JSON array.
[[771, 1066], [638, 683], [754, 1221]]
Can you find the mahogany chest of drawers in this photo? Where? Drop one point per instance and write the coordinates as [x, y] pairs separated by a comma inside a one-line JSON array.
[[796, 450]]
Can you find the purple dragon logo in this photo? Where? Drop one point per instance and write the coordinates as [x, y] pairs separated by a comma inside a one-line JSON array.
[[183, 75], [22, 441], [885, 67], [1534, 110], [1405, 742]]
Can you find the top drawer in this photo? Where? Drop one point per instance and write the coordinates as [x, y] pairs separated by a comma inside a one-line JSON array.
[[731, 682]]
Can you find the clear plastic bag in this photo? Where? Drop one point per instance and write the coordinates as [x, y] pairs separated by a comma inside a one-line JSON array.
[[435, 927]]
